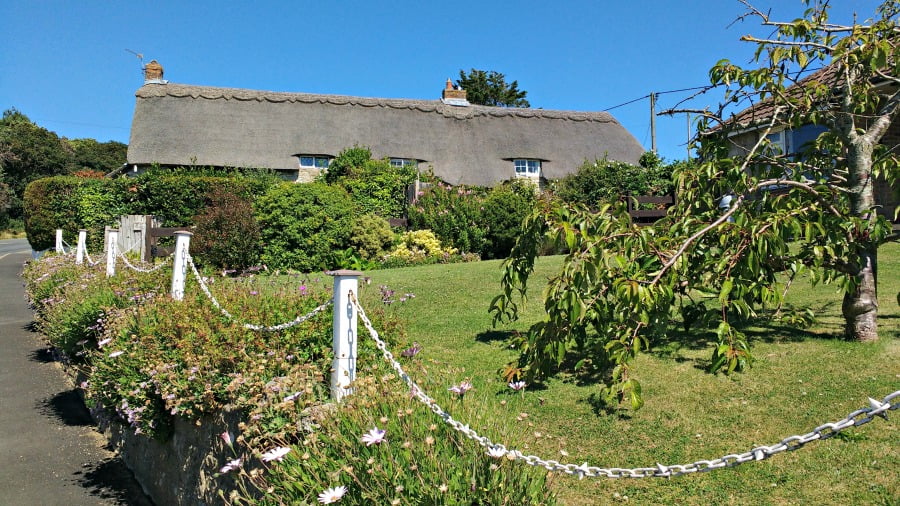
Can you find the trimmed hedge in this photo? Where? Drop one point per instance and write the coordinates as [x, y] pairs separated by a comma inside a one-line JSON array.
[[305, 226], [72, 203]]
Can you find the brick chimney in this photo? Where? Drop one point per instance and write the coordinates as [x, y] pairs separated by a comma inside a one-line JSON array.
[[153, 72], [453, 95]]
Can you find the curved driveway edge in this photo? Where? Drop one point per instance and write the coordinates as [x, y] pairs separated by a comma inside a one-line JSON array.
[[49, 450]]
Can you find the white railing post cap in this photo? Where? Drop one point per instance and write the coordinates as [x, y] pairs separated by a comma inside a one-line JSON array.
[[343, 272], [183, 232]]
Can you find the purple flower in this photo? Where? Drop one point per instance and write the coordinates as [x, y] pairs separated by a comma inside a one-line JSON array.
[[374, 436], [293, 397], [226, 436], [461, 389], [412, 351]]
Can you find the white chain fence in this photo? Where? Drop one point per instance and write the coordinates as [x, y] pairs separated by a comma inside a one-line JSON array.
[[264, 328], [142, 269], [824, 431]]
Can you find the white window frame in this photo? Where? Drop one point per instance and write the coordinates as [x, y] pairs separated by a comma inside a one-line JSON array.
[[403, 162], [318, 161], [527, 167]]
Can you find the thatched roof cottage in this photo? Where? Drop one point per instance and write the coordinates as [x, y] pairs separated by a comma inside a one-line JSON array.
[[298, 133]]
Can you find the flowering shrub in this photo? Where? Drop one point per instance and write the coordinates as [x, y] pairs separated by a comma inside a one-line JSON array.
[[419, 247], [380, 446], [73, 303]]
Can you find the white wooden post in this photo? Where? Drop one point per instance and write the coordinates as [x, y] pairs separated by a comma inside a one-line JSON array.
[[81, 248], [112, 245], [179, 264], [343, 368], [59, 241]]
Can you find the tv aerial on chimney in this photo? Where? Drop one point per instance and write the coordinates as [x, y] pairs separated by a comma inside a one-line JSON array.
[[140, 57]]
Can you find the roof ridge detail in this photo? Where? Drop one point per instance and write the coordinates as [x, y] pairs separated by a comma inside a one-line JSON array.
[[243, 94]]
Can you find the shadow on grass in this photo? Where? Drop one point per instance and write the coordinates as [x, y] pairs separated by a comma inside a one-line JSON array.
[[489, 336], [31, 326]]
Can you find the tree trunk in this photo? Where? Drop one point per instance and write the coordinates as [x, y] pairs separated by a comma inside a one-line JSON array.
[[860, 306]]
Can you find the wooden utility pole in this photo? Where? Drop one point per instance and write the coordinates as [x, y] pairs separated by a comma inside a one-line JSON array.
[[653, 121]]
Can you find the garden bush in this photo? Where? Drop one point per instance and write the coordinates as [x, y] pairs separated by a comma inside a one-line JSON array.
[[454, 214], [226, 234], [72, 203], [376, 186], [305, 226], [607, 181], [371, 236], [503, 210]]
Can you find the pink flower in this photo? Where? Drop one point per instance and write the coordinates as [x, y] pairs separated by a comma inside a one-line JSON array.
[[226, 436], [276, 454], [374, 436], [115, 354], [461, 389]]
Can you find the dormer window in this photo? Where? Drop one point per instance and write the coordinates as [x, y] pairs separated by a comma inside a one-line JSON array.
[[314, 162], [527, 167], [403, 162]]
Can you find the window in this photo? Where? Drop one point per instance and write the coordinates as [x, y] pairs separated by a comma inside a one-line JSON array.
[[403, 162], [527, 168], [314, 162]]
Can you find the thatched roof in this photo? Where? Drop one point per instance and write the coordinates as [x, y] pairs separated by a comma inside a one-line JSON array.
[[182, 125]]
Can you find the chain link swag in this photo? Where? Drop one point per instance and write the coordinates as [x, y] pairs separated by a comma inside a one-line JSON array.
[[824, 431], [274, 328]]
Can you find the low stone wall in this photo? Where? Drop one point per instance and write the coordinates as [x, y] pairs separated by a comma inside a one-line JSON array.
[[180, 471]]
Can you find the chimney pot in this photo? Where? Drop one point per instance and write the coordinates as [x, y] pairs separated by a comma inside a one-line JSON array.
[[454, 95], [153, 72]]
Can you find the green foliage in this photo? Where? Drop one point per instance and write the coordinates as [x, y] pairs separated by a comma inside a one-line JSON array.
[[29, 152], [476, 220], [376, 186], [620, 284], [226, 234], [421, 461], [371, 236], [72, 203], [304, 226], [98, 156], [491, 88], [346, 163], [503, 210], [454, 215], [606, 181]]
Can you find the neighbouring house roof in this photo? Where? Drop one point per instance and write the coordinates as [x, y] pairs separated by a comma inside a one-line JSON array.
[[177, 124], [762, 111]]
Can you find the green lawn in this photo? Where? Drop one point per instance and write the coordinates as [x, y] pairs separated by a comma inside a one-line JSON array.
[[801, 379]]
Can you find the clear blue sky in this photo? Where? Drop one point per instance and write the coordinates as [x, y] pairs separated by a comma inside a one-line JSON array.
[[65, 65]]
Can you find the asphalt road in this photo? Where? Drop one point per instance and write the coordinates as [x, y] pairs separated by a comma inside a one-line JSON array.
[[50, 453]]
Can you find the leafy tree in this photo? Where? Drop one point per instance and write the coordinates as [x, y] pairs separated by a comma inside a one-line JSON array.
[[490, 88], [604, 181], [375, 185], [621, 286], [98, 156], [29, 152]]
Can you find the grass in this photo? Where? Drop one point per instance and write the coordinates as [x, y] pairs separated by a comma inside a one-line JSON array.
[[801, 379]]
